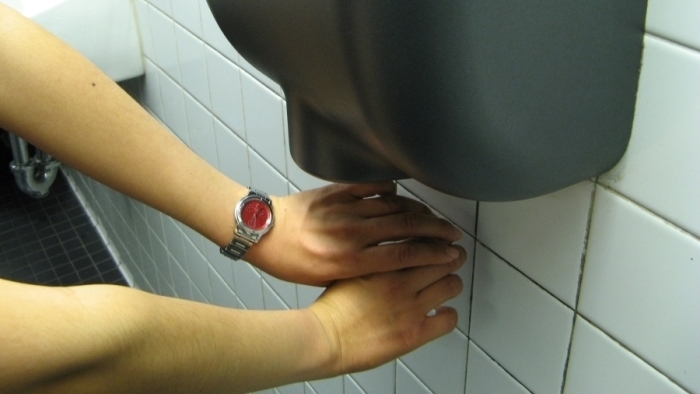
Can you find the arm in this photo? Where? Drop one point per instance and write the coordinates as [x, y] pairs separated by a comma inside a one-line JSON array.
[[110, 339], [64, 105]]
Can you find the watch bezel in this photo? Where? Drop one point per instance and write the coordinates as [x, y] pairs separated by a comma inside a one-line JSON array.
[[241, 226]]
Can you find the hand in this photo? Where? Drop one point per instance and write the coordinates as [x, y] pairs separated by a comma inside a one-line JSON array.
[[346, 231], [371, 320]]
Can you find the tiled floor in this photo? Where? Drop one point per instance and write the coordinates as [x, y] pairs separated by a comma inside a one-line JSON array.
[[49, 241]]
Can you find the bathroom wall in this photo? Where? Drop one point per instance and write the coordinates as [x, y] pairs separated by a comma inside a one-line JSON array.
[[591, 289]]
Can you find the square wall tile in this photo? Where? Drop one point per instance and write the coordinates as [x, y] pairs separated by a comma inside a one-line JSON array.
[[151, 90], [543, 237], [287, 291], [201, 131], [660, 167], [197, 269], [174, 239], [296, 388], [271, 300], [181, 281], [174, 107], [328, 386], [186, 13], [676, 20], [220, 263], [407, 382], [259, 76], [141, 9], [378, 380], [225, 91], [193, 66], [232, 153], [441, 364], [248, 286], [522, 327], [458, 210], [640, 285], [264, 122], [351, 387], [221, 293], [163, 5], [212, 33], [485, 376], [600, 365], [165, 46], [266, 178]]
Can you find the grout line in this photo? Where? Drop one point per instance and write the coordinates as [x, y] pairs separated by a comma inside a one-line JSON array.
[[580, 281], [398, 360], [471, 293], [501, 366], [523, 274], [625, 347], [649, 211], [672, 41]]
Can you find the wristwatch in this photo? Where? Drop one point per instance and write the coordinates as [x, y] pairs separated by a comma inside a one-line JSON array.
[[254, 218]]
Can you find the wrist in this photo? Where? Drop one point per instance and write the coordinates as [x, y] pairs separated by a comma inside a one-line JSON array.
[[324, 350]]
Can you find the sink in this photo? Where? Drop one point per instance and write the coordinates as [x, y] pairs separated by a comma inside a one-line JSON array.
[[104, 31]]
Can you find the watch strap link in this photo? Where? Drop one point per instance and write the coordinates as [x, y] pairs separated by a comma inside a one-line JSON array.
[[237, 248]]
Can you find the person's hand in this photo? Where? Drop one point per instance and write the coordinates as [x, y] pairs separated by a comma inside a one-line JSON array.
[[346, 231], [371, 320]]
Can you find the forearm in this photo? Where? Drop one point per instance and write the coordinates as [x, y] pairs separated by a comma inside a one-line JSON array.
[[106, 339], [57, 100]]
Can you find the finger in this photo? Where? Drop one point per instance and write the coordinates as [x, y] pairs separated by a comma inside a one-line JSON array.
[[405, 225], [443, 322], [419, 278], [365, 190], [392, 257], [388, 205], [439, 292]]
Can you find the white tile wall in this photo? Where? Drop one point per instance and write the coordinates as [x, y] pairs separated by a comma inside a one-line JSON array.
[[193, 67], [351, 387], [485, 376], [676, 20], [637, 234], [407, 382], [543, 237], [660, 168], [600, 365], [640, 285], [520, 325]]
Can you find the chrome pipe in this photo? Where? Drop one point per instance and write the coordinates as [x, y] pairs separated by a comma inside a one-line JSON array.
[[33, 175]]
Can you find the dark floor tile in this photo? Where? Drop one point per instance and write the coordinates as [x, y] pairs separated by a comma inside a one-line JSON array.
[[64, 269], [45, 276], [70, 279], [83, 262], [49, 241]]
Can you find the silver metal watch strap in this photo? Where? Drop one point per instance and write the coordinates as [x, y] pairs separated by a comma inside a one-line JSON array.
[[237, 248]]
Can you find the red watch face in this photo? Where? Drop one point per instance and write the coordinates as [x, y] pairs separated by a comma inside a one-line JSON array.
[[256, 214]]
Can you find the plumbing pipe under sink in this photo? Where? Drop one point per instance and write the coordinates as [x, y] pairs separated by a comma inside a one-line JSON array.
[[33, 175]]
